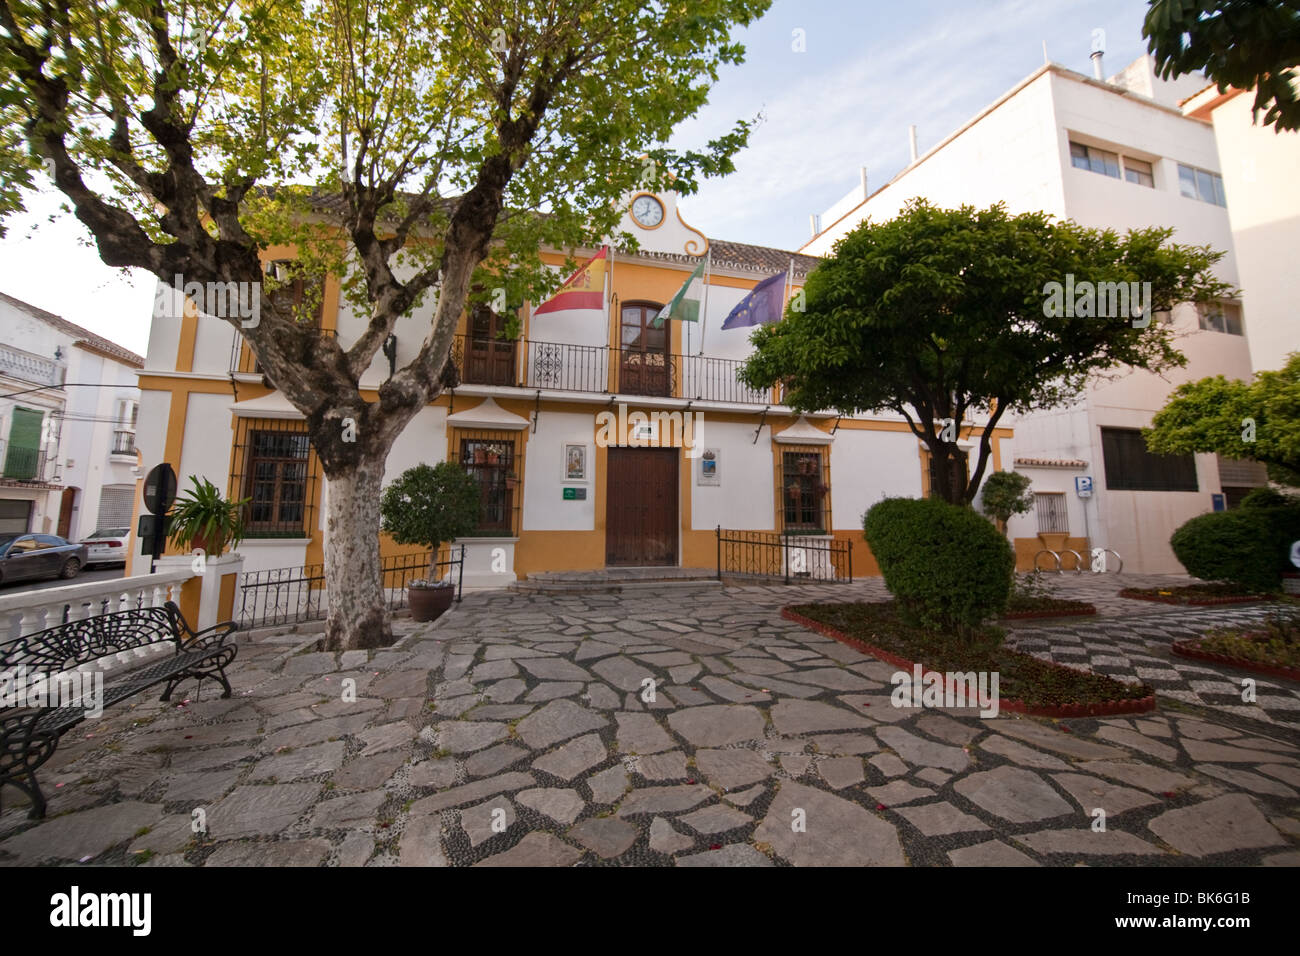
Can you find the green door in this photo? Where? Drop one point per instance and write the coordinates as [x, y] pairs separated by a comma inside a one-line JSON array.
[[23, 454]]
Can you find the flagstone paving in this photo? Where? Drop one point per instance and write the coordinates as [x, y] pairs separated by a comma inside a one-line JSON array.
[[672, 726]]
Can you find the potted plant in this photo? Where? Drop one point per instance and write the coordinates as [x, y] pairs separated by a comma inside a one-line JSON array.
[[512, 482], [202, 518], [427, 505], [480, 456], [793, 492]]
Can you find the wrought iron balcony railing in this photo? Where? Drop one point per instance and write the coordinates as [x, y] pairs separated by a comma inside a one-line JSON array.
[[559, 366]]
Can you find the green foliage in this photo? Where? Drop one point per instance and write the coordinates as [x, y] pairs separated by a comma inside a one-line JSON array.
[[1249, 44], [948, 568], [1281, 514], [203, 514], [430, 504], [941, 313], [1259, 420], [1006, 493], [1237, 547]]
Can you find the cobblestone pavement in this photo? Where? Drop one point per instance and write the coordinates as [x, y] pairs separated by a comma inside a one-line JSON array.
[[514, 731]]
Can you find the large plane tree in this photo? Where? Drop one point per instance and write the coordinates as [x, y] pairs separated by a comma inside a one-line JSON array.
[[421, 152]]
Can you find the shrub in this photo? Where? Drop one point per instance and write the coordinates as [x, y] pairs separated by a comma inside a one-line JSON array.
[[428, 505], [1234, 546], [1006, 493], [1281, 513], [948, 568]]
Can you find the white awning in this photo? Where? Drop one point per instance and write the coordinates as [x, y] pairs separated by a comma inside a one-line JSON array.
[[487, 414], [274, 405], [802, 433]]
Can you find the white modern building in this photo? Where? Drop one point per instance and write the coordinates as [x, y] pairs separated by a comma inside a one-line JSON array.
[[68, 405], [1113, 154], [1260, 168]]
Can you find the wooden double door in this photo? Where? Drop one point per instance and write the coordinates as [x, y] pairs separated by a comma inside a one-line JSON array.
[[641, 496]]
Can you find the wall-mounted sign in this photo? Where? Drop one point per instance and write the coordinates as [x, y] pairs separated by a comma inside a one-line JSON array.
[[707, 473], [1083, 486], [575, 494], [1217, 502], [575, 462]]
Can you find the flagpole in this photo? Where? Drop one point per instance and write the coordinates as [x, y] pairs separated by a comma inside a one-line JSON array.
[[704, 305]]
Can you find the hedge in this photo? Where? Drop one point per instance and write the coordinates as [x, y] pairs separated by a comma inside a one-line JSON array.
[[948, 568]]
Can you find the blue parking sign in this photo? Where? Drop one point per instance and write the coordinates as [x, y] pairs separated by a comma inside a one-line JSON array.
[[1083, 486]]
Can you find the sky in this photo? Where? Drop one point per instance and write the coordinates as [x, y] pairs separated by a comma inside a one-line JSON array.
[[866, 71]]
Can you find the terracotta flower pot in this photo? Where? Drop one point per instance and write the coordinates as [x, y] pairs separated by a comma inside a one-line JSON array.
[[429, 603]]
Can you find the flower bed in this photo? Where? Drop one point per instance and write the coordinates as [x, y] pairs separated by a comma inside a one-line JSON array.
[[1272, 648], [1028, 685], [1198, 595], [1046, 607]]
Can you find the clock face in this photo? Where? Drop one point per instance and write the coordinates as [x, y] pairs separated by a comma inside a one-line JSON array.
[[647, 211]]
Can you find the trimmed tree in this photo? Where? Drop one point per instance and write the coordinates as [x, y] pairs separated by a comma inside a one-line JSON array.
[[448, 142], [1006, 493], [1249, 44], [430, 504], [1258, 420], [940, 315]]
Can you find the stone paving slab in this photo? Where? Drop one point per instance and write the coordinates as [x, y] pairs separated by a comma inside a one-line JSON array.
[[518, 730]]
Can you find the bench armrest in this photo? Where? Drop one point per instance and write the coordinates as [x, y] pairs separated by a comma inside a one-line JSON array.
[[211, 637]]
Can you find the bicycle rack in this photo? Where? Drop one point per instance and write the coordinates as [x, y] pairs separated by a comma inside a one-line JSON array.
[[1079, 561]]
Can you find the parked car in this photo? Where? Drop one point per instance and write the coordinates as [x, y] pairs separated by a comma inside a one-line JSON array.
[[107, 546], [27, 556]]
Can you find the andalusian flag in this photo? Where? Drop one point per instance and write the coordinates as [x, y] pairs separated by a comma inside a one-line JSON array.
[[585, 289], [685, 305]]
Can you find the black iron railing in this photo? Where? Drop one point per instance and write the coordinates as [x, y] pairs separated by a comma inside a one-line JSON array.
[[794, 557], [296, 595], [564, 367]]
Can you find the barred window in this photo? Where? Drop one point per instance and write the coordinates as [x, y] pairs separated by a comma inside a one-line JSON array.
[[494, 460], [275, 468], [1131, 467], [958, 463], [1052, 516], [805, 491]]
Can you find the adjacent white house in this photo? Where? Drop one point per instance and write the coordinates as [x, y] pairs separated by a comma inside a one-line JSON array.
[[1119, 154], [68, 410]]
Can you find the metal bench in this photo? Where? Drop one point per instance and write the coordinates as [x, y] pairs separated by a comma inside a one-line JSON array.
[[29, 733]]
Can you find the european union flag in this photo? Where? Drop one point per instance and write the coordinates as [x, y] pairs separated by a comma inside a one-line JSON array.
[[764, 304]]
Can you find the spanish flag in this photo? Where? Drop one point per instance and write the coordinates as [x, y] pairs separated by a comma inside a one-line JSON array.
[[585, 289]]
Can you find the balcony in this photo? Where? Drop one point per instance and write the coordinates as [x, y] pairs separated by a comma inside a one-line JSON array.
[[25, 367], [556, 366], [123, 443], [25, 464], [562, 367]]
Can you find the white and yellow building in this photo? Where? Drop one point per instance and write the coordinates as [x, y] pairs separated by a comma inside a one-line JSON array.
[[529, 419]]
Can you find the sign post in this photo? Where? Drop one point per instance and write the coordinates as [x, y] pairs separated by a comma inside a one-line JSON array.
[[159, 493]]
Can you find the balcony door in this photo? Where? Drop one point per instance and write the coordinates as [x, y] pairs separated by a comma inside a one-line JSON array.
[[489, 356], [644, 368]]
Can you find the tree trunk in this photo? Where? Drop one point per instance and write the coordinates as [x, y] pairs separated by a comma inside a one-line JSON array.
[[358, 617]]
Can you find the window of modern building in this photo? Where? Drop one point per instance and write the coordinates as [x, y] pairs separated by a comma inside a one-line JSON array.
[[1112, 164], [1137, 171], [1131, 467], [1094, 160], [1221, 317], [805, 491], [1049, 506], [1201, 184], [274, 467]]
